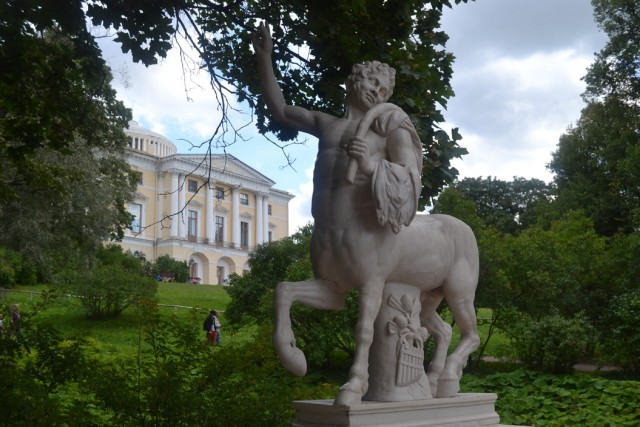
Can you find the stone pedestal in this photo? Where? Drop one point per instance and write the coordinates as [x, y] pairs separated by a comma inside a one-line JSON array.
[[464, 410]]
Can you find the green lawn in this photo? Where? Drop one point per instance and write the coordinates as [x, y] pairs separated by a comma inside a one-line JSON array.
[[122, 334], [498, 346], [200, 296]]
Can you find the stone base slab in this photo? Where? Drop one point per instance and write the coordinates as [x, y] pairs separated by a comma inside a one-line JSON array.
[[463, 410]]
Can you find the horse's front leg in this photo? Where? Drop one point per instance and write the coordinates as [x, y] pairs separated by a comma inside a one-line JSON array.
[[314, 293], [370, 299]]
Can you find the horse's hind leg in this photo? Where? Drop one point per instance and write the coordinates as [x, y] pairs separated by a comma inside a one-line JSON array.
[[440, 331], [313, 293], [460, 297]]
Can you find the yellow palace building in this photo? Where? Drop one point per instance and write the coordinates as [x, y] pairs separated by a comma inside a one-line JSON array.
[[208, 210]]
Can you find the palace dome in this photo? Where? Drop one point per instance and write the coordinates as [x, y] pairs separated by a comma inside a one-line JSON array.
[[148, 141]]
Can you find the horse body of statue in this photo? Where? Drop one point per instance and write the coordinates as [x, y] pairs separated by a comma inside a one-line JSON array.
[[366, 232]]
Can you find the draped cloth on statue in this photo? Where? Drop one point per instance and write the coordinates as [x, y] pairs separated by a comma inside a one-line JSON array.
[[396, 187]]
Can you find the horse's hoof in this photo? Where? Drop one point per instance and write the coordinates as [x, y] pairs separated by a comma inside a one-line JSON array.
[[347, 397], [448, 387], [292, 358]]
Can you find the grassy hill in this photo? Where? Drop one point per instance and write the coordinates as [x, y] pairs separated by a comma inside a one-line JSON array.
[[121, 334]]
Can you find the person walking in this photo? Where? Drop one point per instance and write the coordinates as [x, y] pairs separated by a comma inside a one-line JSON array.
[[16, 322], [212, 327]]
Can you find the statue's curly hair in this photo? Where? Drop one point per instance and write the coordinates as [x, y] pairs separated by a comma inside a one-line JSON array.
[[360, 71]]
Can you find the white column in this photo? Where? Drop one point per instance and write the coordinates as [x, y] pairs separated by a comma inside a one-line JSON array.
[[235, 221], [265, 217], [181, 217], [209, 214], [159, 203], [259, 220], [174, 205]]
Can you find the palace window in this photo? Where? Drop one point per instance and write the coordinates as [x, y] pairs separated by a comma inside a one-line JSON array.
[[192, 225], [193, 185], [244, 199], [219, 229], [269, 209], [135, 209], [244, 234]]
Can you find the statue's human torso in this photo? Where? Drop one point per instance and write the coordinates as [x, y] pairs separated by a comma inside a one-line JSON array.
[[344, 213], [335, 201]]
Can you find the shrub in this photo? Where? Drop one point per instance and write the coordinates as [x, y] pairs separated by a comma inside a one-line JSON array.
[[14, 270], [551, 343], [267, 389], [623, 340], [42, 384], [166, 265], [535, 399], [113, 285]]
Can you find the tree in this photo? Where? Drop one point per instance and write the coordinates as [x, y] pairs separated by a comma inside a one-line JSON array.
[[61, 139], [615, 71], [597, 166], [165, 264], [14, 269], [54, 92], [316, 46], [61, 222], [509, 206], [270, 263], [597, 163]]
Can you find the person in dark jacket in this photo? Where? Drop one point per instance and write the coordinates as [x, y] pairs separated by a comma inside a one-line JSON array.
[[212, 327], [16, 321]]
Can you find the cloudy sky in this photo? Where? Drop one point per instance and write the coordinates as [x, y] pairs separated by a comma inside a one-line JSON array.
[[517, 79]]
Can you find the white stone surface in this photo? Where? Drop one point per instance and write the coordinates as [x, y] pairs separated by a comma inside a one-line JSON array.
[[463, 410]]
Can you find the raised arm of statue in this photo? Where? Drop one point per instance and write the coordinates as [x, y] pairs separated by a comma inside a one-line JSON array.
[[295, 117]]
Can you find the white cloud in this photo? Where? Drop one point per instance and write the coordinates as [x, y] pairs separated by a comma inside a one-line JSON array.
[[300, 206], [165, 99], [511, 107]]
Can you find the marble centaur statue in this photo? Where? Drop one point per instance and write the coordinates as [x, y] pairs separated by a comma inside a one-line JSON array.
[[367, 181]]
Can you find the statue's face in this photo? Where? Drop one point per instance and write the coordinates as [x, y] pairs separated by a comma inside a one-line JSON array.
[[370, 90]]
